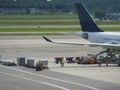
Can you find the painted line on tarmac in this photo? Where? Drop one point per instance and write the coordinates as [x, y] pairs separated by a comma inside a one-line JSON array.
[[29, 79], [73, 83]]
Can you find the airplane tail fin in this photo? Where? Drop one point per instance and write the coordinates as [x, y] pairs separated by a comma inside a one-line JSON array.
[[87, 23]]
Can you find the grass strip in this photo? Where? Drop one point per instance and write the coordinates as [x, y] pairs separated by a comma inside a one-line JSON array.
[[52, 29], [37, 29]]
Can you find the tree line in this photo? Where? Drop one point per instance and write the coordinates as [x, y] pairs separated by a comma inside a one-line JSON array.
[[94, 6]]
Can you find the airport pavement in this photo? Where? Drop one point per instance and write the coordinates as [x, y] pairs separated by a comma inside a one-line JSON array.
[[37, 47], [22, 78], [11, 47], [108, 74]]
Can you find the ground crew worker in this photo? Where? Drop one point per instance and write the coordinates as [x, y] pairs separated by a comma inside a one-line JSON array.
[[106, 61], [62, 63]]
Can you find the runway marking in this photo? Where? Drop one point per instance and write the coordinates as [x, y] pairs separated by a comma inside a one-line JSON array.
[[45, 83], [78, 84]]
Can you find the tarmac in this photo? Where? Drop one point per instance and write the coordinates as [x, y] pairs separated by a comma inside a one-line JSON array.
[[108, 74], [21, 78], [36, 47]]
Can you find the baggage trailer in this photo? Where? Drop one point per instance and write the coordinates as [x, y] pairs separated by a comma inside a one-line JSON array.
[[86, 60], [78, 60], [40, 65], [58, 59], [70, 60], [89, 60]]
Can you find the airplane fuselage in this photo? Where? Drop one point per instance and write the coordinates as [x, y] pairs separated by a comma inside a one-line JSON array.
[[101, 37]]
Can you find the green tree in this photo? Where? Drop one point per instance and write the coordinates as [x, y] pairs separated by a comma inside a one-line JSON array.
[[110, 6], [99, 13]]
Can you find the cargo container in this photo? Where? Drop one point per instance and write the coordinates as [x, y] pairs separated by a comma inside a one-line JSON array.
[[21, 61], [39, 66], [42, 64], [30, 63]]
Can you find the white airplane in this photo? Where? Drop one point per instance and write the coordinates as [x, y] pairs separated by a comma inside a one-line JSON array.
[[92, 33]]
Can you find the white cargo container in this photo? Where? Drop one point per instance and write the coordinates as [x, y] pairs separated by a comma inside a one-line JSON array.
[[44, 62], [30, 62]]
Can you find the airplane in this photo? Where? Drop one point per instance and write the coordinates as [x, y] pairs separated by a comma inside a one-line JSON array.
[[91, 32]]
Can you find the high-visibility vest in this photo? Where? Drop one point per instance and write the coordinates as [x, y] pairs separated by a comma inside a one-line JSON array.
[[62, 61]]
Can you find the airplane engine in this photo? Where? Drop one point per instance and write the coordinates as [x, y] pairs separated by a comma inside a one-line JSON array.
[[85, 35]]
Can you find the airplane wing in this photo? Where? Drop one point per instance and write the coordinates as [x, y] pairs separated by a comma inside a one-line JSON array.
[[105, 45]]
